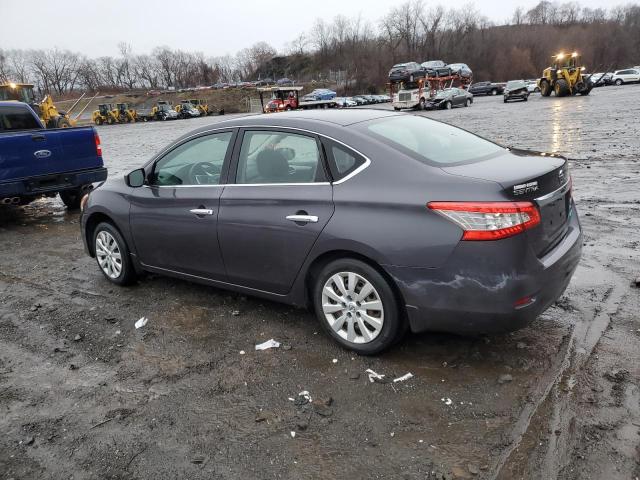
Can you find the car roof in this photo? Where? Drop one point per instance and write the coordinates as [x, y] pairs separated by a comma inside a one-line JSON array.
[[293, 119]]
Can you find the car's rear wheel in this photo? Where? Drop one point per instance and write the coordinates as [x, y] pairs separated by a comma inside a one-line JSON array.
[[112, 254], [356, 306]]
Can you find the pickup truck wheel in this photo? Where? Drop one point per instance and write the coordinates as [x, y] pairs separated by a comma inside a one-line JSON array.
[[71, 198], [112, 254], [494, 92], [98, 121]]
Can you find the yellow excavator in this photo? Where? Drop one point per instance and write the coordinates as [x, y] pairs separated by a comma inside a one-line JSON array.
[[46, 109], [565, 77]]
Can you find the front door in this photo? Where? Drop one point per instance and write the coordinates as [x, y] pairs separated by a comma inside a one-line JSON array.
[[174, 217], [280, 202]]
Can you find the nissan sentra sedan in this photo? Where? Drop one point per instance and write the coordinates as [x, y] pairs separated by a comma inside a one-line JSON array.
[[380, 222]]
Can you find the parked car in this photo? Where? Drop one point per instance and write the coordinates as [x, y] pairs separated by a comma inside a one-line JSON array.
[[516, 90], [360, 100], [321, 94], [345, 102], [478, 238], [284, 81], [436, 68], [620, 77], [532, 86], [486, 88], [35, 161], [165, 112], [406, 72], [448, 98], [600, 79], [461, 69]]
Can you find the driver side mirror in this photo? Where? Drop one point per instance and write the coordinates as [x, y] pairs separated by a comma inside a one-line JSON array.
[[136, 178]]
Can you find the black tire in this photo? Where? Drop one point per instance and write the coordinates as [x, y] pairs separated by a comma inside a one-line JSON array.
[[422, 105], [72, 198], [467, 103], [127, 274], [63, 122], [562, 88], [545, 88], [526, 98], [448, 105], [494, 92], [619, 82], [397, 109], [393, 325], [98, 121], [505, 99]]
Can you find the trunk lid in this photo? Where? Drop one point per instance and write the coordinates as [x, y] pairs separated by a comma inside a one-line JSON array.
[[530, 176]]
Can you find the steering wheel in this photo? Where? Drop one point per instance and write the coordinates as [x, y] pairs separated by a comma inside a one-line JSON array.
[[203, 169]]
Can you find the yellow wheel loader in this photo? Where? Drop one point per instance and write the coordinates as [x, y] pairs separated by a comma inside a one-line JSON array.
[[104, 115], [201, 105], [46, 109], [124, 113], [565, 77]]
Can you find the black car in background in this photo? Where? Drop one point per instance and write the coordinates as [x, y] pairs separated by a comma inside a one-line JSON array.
[[406, 72], [516, 90], [436, 68], [486, 88]]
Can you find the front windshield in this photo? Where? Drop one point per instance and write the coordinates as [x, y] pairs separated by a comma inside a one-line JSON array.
[[429, 141], [515, 84]]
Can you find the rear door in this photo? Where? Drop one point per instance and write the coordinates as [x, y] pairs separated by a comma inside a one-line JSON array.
[[26, 150], [174, 218], [273, 213]]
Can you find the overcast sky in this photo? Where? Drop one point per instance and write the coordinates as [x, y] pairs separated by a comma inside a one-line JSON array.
[[214, 27]]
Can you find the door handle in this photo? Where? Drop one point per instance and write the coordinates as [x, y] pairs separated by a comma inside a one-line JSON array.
[[201, 211], [37, 136], [303, 218]]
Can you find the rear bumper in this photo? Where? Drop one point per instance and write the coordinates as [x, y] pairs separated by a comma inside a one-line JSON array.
[[52, 183], [476, 290]]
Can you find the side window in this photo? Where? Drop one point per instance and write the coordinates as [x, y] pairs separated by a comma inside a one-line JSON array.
[[196, 162], [17, 118], [279, 157], [342, 160]]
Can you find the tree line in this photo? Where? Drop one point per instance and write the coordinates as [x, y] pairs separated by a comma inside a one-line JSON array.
[[362, 51]]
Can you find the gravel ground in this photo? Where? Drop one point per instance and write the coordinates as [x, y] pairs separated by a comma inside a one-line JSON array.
[[85, 395]]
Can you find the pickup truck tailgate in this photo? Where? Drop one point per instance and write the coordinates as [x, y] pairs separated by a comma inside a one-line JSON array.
[[44, 152]]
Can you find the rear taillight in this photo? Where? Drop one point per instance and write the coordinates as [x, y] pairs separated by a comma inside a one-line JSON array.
[[489, 220], [98, 146]]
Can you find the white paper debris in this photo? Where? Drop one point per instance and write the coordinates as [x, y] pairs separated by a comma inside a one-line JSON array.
[[306, 395], [404, 377], [373, 376], [293, 434], [335, 360], [447, 401], [242, 352], [268, 344], [142, 322]]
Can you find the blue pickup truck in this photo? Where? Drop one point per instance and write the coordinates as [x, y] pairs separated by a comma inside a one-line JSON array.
[[36, 162]]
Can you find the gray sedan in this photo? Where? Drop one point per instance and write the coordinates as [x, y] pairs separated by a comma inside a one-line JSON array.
[[450, 97], [380, 222]]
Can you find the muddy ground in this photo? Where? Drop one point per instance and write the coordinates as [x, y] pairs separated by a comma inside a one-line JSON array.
[[85, 395]]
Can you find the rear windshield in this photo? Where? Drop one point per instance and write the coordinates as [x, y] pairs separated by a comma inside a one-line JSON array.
[[17, 118], [430, 141]]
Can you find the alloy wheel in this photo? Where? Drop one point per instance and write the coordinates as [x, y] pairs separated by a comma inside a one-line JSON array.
[[353, 308], [108, 254]]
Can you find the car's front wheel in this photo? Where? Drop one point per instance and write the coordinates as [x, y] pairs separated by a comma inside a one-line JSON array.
[[112, 254], [356, 306]]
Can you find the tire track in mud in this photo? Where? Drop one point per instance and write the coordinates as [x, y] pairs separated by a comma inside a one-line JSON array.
[[584, 337]]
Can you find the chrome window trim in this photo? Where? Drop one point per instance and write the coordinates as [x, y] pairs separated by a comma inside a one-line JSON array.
[[365, 165]]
